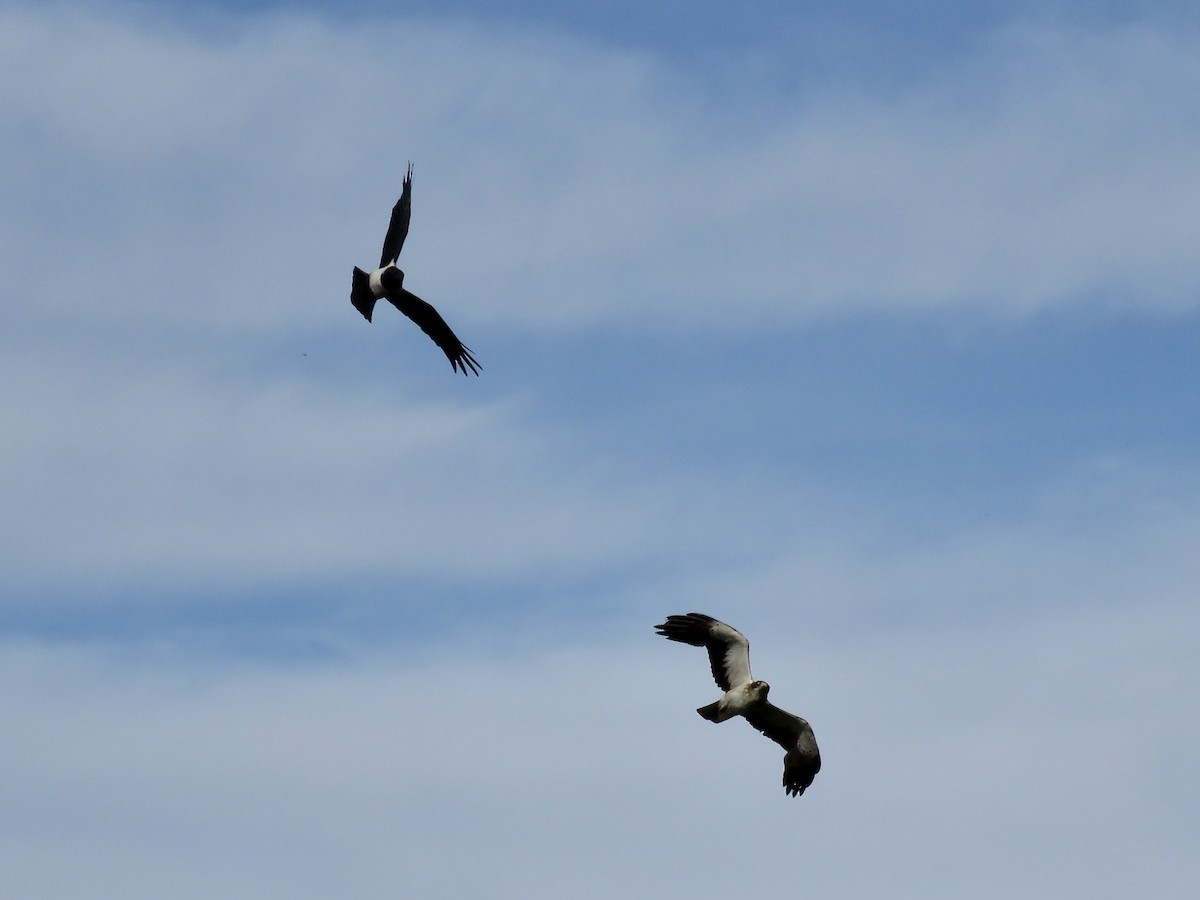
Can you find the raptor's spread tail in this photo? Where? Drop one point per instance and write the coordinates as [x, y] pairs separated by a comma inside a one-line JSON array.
[[710, 712]]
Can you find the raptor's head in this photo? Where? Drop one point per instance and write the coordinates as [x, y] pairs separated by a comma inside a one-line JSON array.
[[758, 689]]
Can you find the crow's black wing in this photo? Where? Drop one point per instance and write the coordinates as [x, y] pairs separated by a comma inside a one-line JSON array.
[[398, 226], [430, 322]]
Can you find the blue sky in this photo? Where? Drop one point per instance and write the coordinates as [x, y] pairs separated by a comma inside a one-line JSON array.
[[871, 332]]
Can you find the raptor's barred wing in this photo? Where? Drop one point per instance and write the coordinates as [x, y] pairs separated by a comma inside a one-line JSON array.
[[728, 649]]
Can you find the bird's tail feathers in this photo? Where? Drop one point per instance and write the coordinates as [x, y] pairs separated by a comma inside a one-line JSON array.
[[361, 294], [711, 712]]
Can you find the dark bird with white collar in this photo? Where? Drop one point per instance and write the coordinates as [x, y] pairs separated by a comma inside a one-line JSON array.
[[387, 283]]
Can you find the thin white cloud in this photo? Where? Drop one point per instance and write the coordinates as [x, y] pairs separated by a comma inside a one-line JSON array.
[[561, 184], [1003, 705], [1041, 756], [1014, 699], [116, 480], [209, 186]]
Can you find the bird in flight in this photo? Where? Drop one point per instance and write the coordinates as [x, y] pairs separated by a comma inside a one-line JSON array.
[[387, 283], [729, 656]]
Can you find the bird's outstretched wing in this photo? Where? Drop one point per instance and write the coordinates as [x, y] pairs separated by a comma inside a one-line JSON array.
[[398, 226], [728, 649], [802, 761], [431, 322]]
